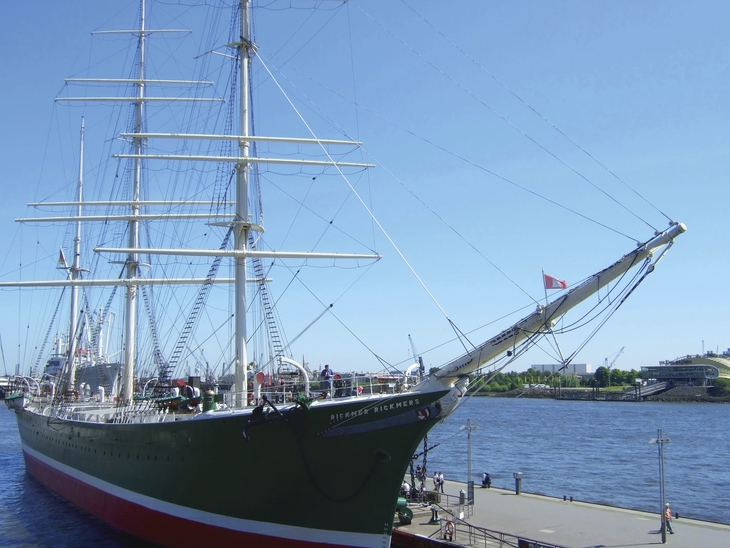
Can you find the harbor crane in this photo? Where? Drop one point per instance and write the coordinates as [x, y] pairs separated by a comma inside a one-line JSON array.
[[610, 365]]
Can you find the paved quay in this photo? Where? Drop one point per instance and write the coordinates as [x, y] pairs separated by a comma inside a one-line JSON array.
[[562, 523]]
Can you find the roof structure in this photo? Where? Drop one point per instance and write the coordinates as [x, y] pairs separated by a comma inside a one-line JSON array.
[[721, 362]]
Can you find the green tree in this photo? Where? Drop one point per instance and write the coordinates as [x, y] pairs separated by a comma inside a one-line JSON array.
[[721, 387], [619, 377], [601, 376], [571, 381], [631, 376], [477, 384]]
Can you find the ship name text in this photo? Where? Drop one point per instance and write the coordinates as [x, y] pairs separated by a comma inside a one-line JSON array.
[[335, 417]]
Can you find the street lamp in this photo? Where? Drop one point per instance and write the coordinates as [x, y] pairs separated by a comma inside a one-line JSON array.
[[469, 480], [660, 441]]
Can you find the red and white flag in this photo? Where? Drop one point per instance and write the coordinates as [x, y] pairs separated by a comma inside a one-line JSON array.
[[553, 283]]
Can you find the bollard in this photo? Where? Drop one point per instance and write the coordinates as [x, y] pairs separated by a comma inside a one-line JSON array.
[[209, 401], [518, 482]]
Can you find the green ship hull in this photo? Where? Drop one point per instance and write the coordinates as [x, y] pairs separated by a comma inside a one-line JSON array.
[[324, 475]]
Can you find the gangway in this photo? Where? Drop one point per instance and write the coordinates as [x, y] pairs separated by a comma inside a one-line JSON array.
[[648, 390]]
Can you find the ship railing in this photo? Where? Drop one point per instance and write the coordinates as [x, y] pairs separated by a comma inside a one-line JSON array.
[[342, 385], [146, 415], [106, 414]]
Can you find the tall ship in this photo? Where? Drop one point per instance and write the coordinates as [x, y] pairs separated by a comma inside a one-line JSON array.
[[125, 418]]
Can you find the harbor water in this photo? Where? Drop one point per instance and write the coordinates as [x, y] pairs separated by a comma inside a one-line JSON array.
[[593, 451], [33, 517]]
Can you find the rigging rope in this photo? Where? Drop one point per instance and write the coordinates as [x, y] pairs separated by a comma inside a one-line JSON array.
[[508, 122], [48, 333], [203, 292], [541, 116], [355, 193]]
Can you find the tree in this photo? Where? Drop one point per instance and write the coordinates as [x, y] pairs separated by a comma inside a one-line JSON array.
[[721, 387], [571, 381], [601, 376]]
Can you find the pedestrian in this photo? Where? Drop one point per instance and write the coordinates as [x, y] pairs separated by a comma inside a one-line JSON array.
[[668, 518], [326, 373], [326, 376], [441, 481], [435, 481]]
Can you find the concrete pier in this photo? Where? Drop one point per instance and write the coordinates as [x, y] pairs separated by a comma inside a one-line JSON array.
[[509, 518]]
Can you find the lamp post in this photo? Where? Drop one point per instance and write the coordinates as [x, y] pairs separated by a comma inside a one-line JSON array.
[[660, 441], [469, 479]]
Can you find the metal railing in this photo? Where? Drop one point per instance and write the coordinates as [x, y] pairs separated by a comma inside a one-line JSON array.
[[452, 511], [345, 385], [462, 533]]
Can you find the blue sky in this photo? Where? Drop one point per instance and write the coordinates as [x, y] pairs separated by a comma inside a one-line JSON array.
[[437, 93]]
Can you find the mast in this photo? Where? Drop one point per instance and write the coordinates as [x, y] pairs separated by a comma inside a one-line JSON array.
[[76, 269], [242, 224], [127, 389], [240, 219]]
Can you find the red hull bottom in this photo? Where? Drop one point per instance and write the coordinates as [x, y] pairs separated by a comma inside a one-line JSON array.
[[150, 525]]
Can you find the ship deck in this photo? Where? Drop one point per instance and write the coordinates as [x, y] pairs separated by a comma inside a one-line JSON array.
[[550, 522]]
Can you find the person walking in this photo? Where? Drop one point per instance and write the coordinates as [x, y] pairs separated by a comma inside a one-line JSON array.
[[668, 518], [441, 481]]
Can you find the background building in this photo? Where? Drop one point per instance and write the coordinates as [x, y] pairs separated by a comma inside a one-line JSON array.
[[576, 369], [684, 374]]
